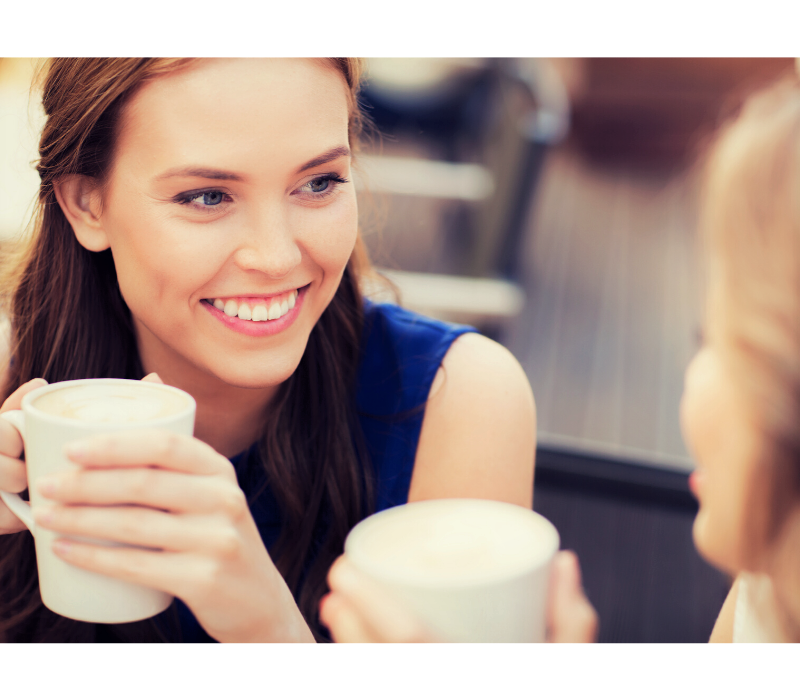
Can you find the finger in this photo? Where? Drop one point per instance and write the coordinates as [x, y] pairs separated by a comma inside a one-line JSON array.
[[160, 570], [571, 616], [157, 447], [14, 401], [10, 439], [385, 617], [13, 476], [344, 622], [154, 488], [9, 523], [143, 527], [153, 377]]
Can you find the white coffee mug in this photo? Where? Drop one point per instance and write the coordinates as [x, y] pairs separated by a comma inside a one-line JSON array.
[[472, 570], [96, 406]]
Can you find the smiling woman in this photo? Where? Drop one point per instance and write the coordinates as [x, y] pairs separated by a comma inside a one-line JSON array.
[[197, 219]]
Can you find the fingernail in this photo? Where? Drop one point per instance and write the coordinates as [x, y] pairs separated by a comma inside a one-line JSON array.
[[47, 485], [77, 449], [62, 547], [39, 381], [43, 515]]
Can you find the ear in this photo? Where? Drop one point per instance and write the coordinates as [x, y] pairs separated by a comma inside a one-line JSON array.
[[79, 198]]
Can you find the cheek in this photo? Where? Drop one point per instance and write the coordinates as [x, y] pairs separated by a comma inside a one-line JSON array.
[[158, 263], [709, 425], [329, 241]]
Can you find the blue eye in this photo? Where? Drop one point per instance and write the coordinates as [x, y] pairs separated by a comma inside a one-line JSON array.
[[211, 198], [320, 184], [206, 199], [202, 200]]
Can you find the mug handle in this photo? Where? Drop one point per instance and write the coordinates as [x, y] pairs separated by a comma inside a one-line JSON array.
[[15, 504]]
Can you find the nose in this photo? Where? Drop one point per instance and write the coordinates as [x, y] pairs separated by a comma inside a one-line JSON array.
[[269, 244]]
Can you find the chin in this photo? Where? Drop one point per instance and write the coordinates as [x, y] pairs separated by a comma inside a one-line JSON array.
[[266, 368], [716, 553], [256, 380]]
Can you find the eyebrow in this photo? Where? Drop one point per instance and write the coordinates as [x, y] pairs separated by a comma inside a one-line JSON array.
[[206, 173], [326, 157], [214, 174]]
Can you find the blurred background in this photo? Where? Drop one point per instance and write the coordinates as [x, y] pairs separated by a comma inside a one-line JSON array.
[[552, 204]]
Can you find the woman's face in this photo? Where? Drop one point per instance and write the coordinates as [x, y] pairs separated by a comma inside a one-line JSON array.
[[719, 432], [231, 215]]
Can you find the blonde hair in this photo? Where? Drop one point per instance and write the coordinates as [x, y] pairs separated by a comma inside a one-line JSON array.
[[750, 222]]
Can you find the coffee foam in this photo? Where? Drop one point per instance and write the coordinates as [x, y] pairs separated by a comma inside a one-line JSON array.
[[111, 403], [456, 541]]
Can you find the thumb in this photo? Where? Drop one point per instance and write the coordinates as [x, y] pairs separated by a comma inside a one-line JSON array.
[[571, 617], [153, 377], [14, 401]]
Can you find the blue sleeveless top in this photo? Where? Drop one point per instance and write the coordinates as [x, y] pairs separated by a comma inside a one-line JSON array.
[[401, 353]]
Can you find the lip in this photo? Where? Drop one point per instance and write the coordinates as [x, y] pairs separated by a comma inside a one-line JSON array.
[[258, 329], [695, 481]]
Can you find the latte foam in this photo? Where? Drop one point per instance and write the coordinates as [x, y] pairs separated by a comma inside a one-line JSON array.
[[451, 542], [112, 403]]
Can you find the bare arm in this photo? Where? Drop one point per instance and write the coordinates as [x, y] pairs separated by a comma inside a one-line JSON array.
[[478, 436], [723, 627]]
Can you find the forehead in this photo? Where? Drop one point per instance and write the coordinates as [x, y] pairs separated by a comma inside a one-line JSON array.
[[236, 112]]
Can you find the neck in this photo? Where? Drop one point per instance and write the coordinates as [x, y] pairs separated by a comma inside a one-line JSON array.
[[228, 418]]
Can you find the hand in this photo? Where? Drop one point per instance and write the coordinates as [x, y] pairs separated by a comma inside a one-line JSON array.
[[13, 476], [357, 610], [179, 498], [570, 615]]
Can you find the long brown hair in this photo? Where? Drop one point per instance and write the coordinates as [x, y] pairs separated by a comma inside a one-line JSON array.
[[57, 291]]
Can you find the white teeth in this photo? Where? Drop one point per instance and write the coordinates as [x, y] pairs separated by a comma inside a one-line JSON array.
[[260, 313], [244, 312], [274, 311], [231, 308]]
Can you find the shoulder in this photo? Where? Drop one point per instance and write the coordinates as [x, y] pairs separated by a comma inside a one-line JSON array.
[[479, 432], [401, 352], [477, 364]]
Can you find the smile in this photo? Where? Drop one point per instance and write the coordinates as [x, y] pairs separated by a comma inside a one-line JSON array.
[[257, 315], [256, 308]]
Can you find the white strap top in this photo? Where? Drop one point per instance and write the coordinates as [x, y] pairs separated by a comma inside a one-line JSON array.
[[756, 617]]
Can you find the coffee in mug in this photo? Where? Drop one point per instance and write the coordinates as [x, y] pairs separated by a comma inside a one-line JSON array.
[[55, 415], [472, 570], [112, 403]]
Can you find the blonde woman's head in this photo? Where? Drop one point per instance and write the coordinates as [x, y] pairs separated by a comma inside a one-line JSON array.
[[741, 405]]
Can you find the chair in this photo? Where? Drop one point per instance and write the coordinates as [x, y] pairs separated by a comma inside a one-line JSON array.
[[488, 124]]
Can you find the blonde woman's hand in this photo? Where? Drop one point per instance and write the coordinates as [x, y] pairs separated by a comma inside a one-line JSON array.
[[570, 616], [357, 610], [13, 477], [178, 498]]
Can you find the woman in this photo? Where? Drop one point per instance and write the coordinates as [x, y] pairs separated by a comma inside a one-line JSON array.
[[198, 223], [740, 411]]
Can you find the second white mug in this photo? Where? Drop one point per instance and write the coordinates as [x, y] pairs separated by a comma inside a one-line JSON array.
[[472, 570]]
